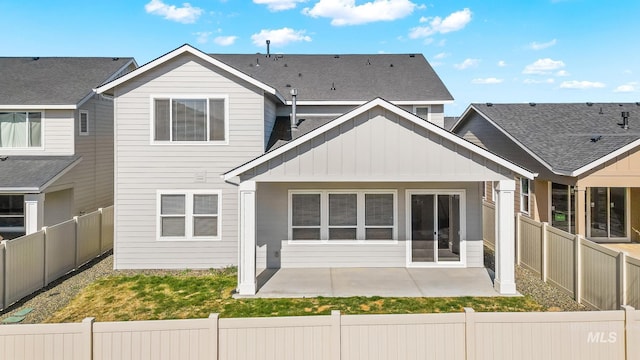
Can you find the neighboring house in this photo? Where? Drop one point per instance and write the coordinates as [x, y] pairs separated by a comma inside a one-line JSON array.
[[297, 161], [588, 162], [56, 139]]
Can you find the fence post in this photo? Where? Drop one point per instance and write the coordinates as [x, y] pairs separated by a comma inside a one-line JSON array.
[[469, 332], [100, 232], [214, 354], [75, 242], [543, 248], [577, 268], [45, 260], [336, 335], [3, 289], [622, 278], [517, 235], [87, 335], [629, 329]]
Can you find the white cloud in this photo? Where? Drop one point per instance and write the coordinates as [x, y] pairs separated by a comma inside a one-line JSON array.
[[186, 14], [562, 73], [628, 87], [539, 46], [279, 37], [454, 22], [346, 12], [225, 40], [543, 66], [502, 63], [441, 55], [279, 5], [574, 84], [202, 37], [467, 63], [537, 81], [490, 80]]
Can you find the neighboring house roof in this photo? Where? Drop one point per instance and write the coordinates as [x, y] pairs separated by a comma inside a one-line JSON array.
[[282, 132], [33, 173], [50, 82], [391, 108], [353, 79], [568, 138], [449, 121]]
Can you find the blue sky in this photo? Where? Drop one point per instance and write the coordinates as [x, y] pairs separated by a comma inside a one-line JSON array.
[[484, 51]]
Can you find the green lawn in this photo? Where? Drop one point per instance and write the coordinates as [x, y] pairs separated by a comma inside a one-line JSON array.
[[196, 295]]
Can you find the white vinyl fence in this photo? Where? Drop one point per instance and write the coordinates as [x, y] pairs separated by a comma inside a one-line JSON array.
[[31, 262], [468, 335]]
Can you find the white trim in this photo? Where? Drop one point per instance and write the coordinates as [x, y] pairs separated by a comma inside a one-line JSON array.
[[463, 228], [324, 216], [195, 52], [39, 107], [394, 109], [528, 195], [205, 97], [362, 102], [188, 216], [80, 132]]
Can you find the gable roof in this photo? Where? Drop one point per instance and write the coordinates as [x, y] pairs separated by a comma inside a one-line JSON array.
[[54, 82], [559, 135], [33, 173], [362, 109], [345, 79], [185, 49]]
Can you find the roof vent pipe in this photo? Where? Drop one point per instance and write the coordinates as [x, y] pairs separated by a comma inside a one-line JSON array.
[[625, 120], [268, 51], [294, 121]]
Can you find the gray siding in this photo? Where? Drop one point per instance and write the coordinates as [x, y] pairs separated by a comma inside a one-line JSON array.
[[272, 223], [269, 119], [379, 145], [143, 168]]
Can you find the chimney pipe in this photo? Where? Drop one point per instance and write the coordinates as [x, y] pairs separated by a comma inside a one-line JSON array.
[[268, 52], [294, 121], [625, 120]]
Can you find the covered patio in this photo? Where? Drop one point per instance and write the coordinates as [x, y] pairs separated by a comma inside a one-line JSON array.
[[396, 282]]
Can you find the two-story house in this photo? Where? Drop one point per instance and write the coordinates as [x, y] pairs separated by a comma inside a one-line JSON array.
[[289, 161], [56, 139]]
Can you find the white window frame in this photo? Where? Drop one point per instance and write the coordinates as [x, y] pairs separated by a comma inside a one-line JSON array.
[[42, 132], [428, 107], [189, 215], [324, 217], [86, 113], [526, 211], [205, 97]]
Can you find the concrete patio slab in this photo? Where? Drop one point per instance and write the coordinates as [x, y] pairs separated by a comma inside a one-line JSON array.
[[397, 282]]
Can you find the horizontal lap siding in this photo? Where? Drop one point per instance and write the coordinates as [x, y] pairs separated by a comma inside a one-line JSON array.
[[142, 168], [57, 135]]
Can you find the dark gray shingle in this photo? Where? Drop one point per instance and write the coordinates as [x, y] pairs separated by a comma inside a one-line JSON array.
[[561, 134], [32, 171], [344, 77], [53, 80]]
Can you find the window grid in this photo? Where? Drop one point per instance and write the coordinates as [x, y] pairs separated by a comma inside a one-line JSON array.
[[83, 123], [184, 120], [21, 129], [200, 211]]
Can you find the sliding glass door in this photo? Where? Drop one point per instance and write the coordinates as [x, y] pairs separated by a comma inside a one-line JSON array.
[[607, 213]]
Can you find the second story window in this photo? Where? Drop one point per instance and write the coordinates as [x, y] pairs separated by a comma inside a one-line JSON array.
[[83, 123], [189, 120], [20, 129]]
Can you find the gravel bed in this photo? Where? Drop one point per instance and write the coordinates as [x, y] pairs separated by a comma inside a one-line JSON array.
[[58, 294]]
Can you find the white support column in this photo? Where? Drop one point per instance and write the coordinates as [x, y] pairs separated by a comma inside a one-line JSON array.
[[247, 251], [505, 237], [33, 212]]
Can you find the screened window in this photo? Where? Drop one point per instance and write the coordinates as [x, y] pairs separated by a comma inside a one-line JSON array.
[[12, 212], [83, 123], [189, 215], [524, 195], [334, 215], [20, 129], [189, 120]]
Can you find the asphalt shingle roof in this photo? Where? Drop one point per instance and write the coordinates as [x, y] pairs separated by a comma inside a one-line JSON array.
[[53, 80], [32, 171], [344, 77], [561, 134]]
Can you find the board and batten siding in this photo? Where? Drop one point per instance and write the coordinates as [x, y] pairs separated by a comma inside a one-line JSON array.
[[272, 227], [91, 180], [143, 168]]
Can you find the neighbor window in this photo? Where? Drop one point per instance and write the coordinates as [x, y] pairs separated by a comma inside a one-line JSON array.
[[422, 111], [524, 195], [20, 129], [12, 213], [342, 215], [83, 123], [191, 215], [189, 120]]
